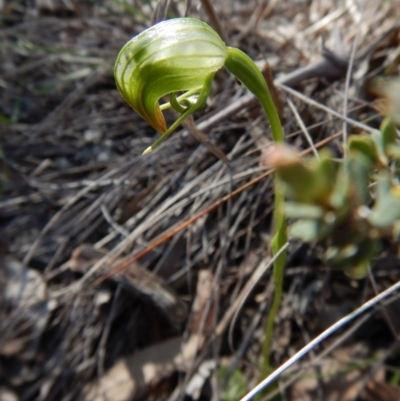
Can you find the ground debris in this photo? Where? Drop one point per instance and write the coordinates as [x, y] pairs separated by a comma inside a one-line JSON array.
[[78, 200]]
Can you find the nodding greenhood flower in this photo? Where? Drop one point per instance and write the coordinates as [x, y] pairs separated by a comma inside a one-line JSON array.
[[179, 58]]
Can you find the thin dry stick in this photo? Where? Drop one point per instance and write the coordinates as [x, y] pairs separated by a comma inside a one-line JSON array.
[[161, 10], [101, 350], [181, 227], [215, 20], [321, 23], [373, 371], [112, 222], [173, 204], [204, 139], [71, 201], [326, 109], [303, 128], [323, 336], [188, 8], [236, 307], [347, 85], [53, 221], [324, 353], [383, 309], [165, 237]]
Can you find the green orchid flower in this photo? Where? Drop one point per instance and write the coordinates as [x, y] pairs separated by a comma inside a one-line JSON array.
[[179, 58]]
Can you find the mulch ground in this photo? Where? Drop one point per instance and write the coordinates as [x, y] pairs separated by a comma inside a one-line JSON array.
[[185, 320]]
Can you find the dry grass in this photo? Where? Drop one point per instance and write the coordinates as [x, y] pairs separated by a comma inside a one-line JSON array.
[[77, 198]]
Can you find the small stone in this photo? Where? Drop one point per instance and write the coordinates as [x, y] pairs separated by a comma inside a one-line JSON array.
[[103, 157], [92, 135]]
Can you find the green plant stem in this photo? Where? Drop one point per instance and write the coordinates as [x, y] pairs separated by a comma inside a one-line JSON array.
[[247, 72], [244, 69], [279, 239]]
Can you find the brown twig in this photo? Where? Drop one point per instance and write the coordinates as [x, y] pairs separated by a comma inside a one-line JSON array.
[[215, 20]]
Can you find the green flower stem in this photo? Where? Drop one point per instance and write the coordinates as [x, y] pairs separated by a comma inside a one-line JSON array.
[[245, 70], [278, 241], [239, 64]]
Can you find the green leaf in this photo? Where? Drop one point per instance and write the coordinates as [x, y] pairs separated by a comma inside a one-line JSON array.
[[359, 270], [308, 181], [295, 210], [4, 119], [387, 206], [389, 133], [235, 387], [364, 145], [353, 257], [358, 171], [307, 230], [390, 90]]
